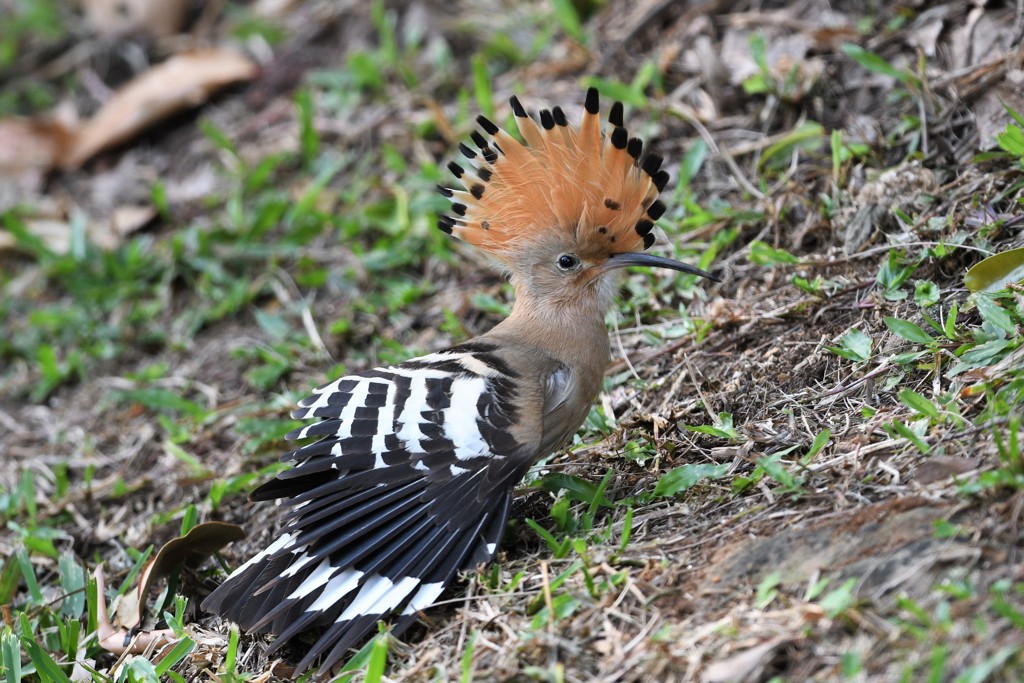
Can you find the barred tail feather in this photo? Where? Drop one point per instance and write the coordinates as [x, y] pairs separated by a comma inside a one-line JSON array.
[[391, 557]]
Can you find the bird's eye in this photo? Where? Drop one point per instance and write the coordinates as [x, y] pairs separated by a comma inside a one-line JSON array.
[[568, 261]]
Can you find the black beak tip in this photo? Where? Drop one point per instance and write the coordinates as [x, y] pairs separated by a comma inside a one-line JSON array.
[[633, 258]]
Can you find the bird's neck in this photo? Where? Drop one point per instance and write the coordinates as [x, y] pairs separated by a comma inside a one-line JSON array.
[[573, 332]]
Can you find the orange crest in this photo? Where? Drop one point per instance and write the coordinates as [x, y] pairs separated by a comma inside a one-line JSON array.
[[587, 184]]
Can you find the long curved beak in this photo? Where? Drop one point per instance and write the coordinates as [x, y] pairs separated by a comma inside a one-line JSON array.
[[636, 258]]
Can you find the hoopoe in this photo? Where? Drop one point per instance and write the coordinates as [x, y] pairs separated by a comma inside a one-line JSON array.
[[411, 480]]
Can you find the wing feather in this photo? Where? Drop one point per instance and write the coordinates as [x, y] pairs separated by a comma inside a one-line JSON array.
[[385, 508]]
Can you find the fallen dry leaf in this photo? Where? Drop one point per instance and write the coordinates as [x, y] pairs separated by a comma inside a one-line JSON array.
[[28, 149], [120, 641], [942, 467], [788, 45], [31, 143], [925, 31], [183, 81], [199, 543], [54, 228], [898, 187], [990, 110], [740, 666], [127, 219], [80, 670]]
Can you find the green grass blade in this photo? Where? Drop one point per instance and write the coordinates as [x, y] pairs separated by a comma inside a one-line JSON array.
[[177, 653], [45, 666], [378, 659]]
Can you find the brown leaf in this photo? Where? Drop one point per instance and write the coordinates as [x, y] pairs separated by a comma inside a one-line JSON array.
[[183, 81], [28, 149], [199, 543], [127, 219], [899, 186], [31, 144], [53, 228], [119, 641], [942, 467]]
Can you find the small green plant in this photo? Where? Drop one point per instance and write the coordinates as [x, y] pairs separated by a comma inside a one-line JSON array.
[[913, 333], [818, 286], [569, 19], [839, 600], [850, 665], [483, 86], [367, 660], [767, 590], [721, 427], [995, 338], [25, 23], [763, 254], [789, 87], [776, 469], [855, 345], [1010, 472], [842, 154], [773, 466], [575, 524], [1010, 141], [10, 655], [466, 663], [926, 293], [807, 138], [894, 273], [632, 93], [912, 84], [563, 604], [681, 479]]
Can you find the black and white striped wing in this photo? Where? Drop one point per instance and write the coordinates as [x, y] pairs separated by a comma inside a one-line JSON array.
[[409, 483]]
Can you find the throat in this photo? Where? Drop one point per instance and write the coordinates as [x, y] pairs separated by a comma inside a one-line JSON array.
[[573, 331]]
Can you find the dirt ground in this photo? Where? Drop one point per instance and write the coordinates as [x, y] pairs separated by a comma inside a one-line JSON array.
[[840, 171]]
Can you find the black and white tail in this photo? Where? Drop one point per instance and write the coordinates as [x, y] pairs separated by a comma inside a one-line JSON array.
[[409, 484]]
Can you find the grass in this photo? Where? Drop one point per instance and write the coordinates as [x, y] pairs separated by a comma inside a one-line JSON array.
[[148, 385]]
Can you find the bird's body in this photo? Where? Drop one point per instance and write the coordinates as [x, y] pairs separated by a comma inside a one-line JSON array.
[[412, 478]]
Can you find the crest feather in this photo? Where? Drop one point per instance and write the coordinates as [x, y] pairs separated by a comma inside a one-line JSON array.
[[581, 181]]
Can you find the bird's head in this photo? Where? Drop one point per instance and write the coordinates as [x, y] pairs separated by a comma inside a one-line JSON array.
[[566, 209]]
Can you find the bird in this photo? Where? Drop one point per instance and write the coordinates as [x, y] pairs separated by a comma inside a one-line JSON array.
[[411, 476]]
